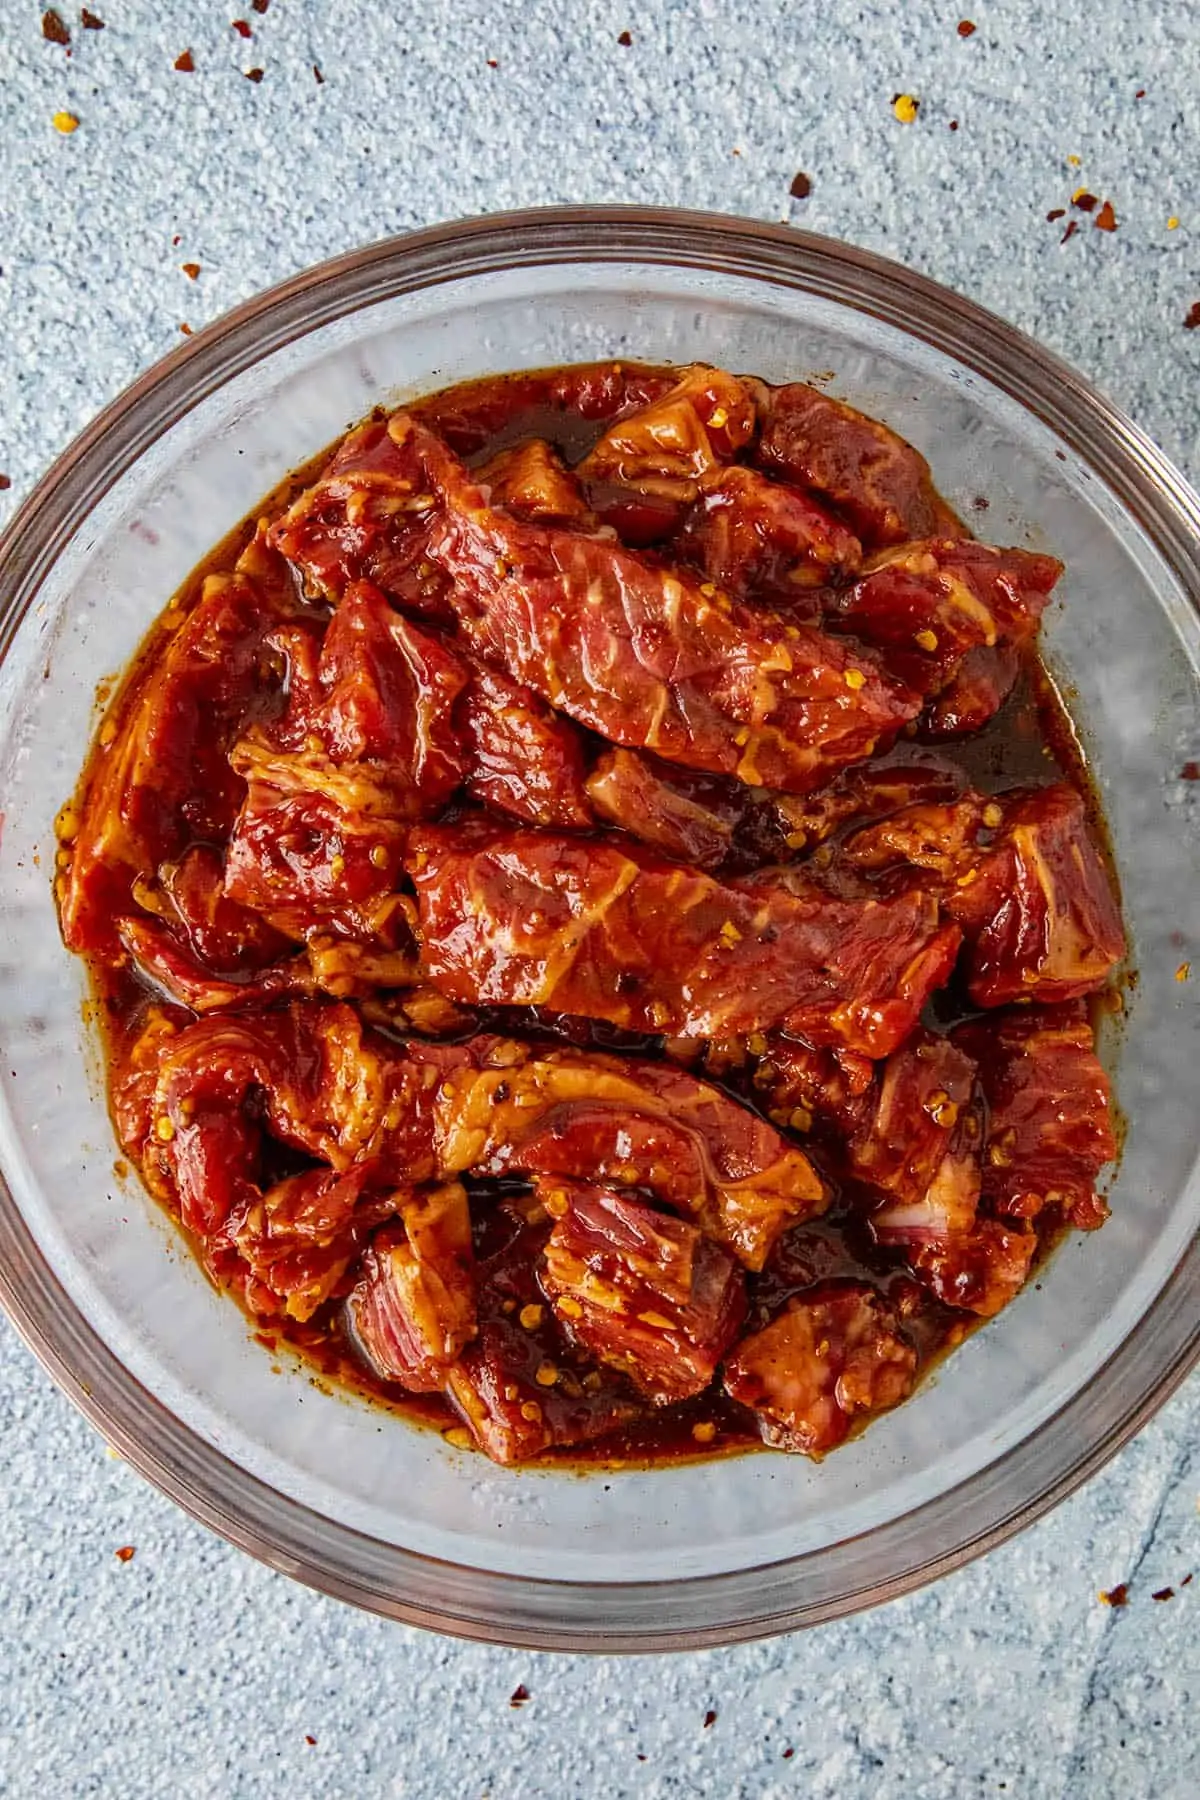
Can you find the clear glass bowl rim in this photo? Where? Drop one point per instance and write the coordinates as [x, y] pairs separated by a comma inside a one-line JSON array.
[[842, 1577]]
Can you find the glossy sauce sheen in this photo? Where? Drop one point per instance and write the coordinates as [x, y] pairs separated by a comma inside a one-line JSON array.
[[1029, 742]]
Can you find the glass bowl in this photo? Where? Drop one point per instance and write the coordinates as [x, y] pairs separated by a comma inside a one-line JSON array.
[[339, 1493]]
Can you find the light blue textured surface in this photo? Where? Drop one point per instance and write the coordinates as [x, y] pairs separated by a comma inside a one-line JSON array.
[[190, 1671]]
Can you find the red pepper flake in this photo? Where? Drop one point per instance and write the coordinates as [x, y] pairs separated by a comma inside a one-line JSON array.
[[5, 483], [259, 6], [255, 75], [1190, 772], [801, 186], [54, 28], [186, 330], [1141, 94], [1193, 318], [242, 28], [184, 63], [1167, 1593], [954, 124], [1083, 201], [1118, 1596], [191, 270], [520, 1695], [710, 1718], [90, 22], [788, 1754], [1072, 228], [176, 240], [625, 39], [125, 1554], [317, 73], [1185, 1581], [308, 1736], [1106, 218], [492, 63], [1057, 212], [966, 28]]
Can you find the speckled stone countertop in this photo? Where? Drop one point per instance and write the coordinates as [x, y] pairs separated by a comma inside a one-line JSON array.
[[187, 1670]]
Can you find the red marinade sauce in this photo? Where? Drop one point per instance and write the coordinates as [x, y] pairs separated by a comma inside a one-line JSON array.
[[371, 744]]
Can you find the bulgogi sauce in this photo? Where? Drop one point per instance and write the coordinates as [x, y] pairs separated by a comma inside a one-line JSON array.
[[593, 905]]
